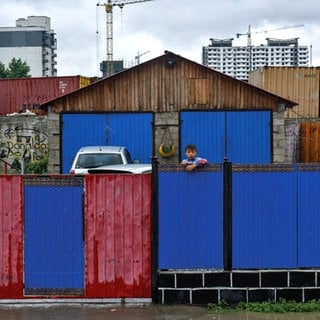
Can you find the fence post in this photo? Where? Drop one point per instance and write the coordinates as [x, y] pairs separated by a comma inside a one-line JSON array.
[[154, 230], [227, 215]]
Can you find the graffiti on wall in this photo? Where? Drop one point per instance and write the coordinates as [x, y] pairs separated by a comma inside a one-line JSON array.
[[32, 103], [20, 143]]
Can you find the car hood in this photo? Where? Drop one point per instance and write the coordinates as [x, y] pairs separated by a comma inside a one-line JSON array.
[[134, 168]]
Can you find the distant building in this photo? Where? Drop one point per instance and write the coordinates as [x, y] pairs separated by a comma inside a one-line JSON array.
[[109, 68], [34, 42], [238, 61]]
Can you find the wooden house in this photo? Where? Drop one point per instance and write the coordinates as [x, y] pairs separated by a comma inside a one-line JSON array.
[[168, 101]]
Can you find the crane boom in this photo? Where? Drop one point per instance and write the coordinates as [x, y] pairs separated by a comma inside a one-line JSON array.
[[109, 26], [248, 34], [139, 55]]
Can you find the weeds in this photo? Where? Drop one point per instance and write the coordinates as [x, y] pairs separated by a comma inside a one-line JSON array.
[[38, 166], [220, 307], [282, 306]]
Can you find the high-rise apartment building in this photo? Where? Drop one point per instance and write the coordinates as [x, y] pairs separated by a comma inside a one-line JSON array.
[[238, 61], [34, 42]]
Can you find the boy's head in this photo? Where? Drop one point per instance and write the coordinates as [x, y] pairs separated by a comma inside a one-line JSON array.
[[191, 147], [191, 151]]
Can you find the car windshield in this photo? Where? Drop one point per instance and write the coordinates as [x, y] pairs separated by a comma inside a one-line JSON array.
[[97, 160]]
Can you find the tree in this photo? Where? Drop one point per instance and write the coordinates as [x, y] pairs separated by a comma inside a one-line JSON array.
[[3, 71], [16, 69]]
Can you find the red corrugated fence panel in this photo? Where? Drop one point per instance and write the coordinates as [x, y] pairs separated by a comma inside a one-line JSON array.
[[11, 274], [118, 236]]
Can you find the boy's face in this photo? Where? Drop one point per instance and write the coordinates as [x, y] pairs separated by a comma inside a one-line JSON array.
[[191, 154]]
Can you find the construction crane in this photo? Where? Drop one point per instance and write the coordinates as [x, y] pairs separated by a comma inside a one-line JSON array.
[[139, 55], [249, 33], [109, 27]]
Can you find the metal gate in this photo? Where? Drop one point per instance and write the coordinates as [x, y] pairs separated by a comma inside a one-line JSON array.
[[79, 130], [132, 130], [240, 136], [53, 236]]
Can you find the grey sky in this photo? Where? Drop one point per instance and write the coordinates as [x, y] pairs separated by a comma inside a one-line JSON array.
[[181, 26]]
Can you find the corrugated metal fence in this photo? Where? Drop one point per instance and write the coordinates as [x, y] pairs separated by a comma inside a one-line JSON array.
[[222, 216], [272, 213], [53, 236], [11, 237], [118, 236], [75, 237], [190, 218]]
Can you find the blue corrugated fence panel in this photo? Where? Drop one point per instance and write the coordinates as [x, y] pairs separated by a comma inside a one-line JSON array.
[[190, 220], [309, 218], [54, 248], [79, 130], [207, 131], [264, 219], [133, 130], [248, 137]]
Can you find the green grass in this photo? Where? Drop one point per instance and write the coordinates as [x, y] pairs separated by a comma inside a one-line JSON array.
[[282, 306]]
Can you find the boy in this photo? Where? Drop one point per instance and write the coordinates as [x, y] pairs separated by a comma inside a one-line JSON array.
[[192, 161]]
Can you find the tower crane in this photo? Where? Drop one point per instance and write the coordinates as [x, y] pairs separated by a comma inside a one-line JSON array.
[[139, 55], [249, 33], [109, 26]]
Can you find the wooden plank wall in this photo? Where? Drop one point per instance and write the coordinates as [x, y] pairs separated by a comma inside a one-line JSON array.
[[154, 86], [310, 142]]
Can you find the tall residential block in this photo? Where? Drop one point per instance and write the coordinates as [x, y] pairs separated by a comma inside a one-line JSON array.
[[34, 42], [238, 61]]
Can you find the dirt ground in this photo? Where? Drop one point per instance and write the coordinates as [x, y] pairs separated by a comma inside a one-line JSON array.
[[147, 312]]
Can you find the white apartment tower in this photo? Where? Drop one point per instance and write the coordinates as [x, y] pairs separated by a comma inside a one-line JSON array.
[[34, 42], [238, 61]]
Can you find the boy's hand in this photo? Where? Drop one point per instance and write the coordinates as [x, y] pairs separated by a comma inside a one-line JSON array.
[[191, 167], [202, 162]]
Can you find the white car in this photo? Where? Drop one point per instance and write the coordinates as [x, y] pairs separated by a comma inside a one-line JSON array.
[[133, 168], [97, 156]]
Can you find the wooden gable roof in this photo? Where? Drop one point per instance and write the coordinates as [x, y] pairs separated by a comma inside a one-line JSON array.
[[167, 83]]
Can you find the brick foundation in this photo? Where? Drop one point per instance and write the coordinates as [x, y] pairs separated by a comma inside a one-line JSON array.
[[202, 287]]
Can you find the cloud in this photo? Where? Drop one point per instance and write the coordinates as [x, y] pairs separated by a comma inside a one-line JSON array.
[[181, 26]]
